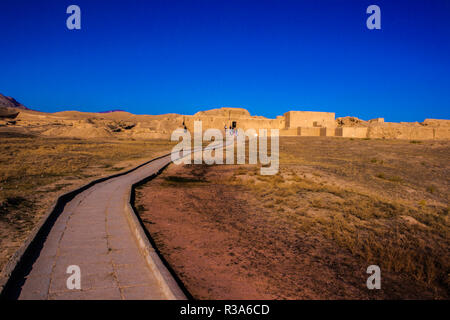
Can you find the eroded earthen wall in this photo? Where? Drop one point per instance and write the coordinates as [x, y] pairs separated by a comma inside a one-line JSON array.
[[351, 132], [399, 131], [295, 119]]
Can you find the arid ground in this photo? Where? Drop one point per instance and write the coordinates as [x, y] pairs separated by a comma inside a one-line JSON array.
[[337, 206], [35, 170]]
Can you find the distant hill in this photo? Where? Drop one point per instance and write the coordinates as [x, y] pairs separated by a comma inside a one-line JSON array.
[[109, 111], [8, 102], [9, 106]]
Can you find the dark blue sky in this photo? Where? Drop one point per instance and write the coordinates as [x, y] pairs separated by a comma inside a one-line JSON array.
[[153, 57]]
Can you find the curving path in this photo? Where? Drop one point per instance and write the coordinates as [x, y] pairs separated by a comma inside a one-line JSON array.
[[92, 232]]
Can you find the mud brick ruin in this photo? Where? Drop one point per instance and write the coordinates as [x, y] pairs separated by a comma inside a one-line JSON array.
[[124, 125], [315, 124]]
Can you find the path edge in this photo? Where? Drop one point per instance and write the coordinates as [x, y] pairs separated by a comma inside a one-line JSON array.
[[166, 281], [13, 264]]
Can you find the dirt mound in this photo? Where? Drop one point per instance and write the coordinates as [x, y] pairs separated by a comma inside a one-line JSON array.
[[351, 122], [79, 131], [225, 112], [8, 113], [436, 123]]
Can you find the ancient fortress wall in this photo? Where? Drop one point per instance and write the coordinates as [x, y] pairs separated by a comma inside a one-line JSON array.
[[321, 124], [352, 132], [293, 123], [295, 119], [410, 132], [240, 118], [442, 133], [210, 122]]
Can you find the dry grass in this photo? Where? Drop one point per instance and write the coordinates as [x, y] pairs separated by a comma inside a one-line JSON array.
[[386, 202], [33, 171], [335, 207]]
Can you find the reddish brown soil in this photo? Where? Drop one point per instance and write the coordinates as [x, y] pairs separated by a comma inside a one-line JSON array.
[[223, 244]]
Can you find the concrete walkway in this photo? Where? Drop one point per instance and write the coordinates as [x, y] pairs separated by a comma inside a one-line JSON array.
[[92, 232]]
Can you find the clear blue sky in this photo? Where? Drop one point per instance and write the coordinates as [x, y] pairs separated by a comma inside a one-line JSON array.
[[154, 57]]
